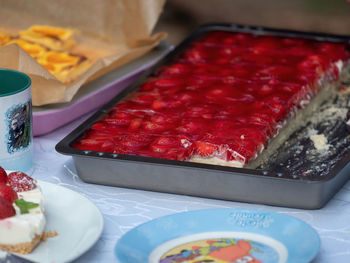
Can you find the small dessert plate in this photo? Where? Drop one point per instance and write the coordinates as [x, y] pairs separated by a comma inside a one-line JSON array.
[[220, 236], [78, 222]]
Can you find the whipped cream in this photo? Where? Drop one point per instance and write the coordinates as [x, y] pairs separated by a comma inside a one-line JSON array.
[[23, 228]]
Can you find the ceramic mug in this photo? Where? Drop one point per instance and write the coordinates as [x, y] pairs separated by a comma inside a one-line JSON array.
[[16, 137]]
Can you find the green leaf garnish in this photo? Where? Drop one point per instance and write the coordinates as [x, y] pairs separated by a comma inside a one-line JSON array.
[[24, 206]]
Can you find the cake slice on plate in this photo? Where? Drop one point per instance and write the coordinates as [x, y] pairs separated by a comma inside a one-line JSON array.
[[22, 217]]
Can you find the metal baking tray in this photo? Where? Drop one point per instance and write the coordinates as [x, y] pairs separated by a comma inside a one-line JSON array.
[[300, 177]]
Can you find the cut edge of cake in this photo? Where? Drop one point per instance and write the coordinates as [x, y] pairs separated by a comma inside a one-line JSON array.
[[298, 120], [295, 121]]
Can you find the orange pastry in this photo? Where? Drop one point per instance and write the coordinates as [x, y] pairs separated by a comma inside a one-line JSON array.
[[64, 66], [55, 38], [32, 49]]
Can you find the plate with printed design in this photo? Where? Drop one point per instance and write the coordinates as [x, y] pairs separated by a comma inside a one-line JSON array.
[[220, 236]]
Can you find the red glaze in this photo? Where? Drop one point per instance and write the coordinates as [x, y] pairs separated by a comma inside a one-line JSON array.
[[6, 209], [226, 95], [3, 176], [8, 193]]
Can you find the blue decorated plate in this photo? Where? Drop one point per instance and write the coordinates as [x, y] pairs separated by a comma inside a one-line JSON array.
[[220, 236]]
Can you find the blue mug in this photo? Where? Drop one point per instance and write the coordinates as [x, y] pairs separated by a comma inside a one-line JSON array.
[[16, 137]]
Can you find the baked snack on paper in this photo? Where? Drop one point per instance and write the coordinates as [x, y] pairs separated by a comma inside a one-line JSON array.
[[35, 50], [64, 66], [22, 212], [227, 99], [51, 47], [54, 38]]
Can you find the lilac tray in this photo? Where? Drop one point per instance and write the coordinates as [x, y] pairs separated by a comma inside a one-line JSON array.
[[94, 94]]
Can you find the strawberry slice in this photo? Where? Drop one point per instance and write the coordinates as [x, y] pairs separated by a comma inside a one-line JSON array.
[[186, 96], [165, 83], [3, 176], [176, 69], [121, 118], [194, 54], [135, 124], [176, 154], [206, 148], [312, 62], [135, 141], [192, 126], [159, 104], [20, 182], [166, 141], [7, 193], [6, 209]]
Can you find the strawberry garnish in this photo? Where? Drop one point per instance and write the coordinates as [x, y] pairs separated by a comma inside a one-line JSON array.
[[3, 176], [20, 182], [6, 209], [8, 193]]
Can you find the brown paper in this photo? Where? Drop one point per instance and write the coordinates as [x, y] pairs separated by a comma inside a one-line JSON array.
[[110, 32]]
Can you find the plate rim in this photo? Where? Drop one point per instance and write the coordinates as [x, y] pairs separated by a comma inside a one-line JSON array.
[[92, 242], [120, 242]]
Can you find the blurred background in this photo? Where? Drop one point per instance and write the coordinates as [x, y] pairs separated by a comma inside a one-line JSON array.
[[181, 17]]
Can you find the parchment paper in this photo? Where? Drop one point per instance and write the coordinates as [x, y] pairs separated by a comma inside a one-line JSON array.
[[109, 32]]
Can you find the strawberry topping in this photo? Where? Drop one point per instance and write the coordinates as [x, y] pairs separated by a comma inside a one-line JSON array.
[[227, 93], [8, 193], [205, 148], [6, 209], [3, 176], [20, 182]]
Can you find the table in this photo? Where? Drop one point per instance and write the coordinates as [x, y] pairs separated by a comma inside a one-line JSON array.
[[124, 209]]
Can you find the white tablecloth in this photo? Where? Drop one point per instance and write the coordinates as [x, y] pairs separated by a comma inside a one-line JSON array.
[[124, 209]]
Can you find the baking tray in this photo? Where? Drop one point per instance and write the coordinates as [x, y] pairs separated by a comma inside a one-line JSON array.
[[95, 93], [283, 181]]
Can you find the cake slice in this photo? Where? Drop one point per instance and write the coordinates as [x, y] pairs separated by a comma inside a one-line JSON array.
[[52, 48], [227, 98], [22, 218]]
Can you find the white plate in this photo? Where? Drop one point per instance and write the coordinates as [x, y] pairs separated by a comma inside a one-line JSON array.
[[77, 220]]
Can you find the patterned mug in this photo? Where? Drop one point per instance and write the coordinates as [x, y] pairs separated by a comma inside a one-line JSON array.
[[16, 136]]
